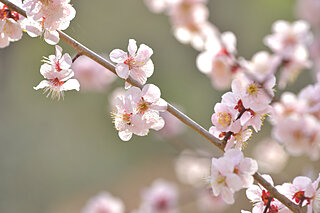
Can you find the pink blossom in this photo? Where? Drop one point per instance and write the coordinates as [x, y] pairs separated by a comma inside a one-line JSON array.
[[206, 202], [137, 111], [239, 139], [156, 6], [91, 75], [161, 197], [54, 14], [136, 64], [268, 151], [293, 66], [35, 29], [104, 202], [311, 96], [286, 37], [304, 192], [218, 61], [231, 173], [57, 70], [191, 167], [224, 117], [260, 197], [253, 95], [262, 65], [10, 29], [299, 135]]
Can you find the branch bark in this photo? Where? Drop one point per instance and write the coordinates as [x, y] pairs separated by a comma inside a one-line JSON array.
[[83, 50]]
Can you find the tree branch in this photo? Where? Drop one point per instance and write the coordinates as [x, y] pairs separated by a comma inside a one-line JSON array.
[[82, 50]]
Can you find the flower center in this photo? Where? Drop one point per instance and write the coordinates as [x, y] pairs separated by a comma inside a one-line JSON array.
[[239, 106], [162, 204], [299, 197], [143, 106], [221, 179], [265, 197], [252, 89], [6, 13], [130, 62], [224, 118], [56, 82], [57, 66]]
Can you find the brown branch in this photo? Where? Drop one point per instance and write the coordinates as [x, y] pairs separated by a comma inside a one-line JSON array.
[[81, 49]]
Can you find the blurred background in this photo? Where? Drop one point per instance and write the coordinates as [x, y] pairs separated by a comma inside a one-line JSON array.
[[55, 155]]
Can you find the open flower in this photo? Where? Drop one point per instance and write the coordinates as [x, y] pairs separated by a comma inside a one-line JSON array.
[[10, 29], [136, 64], [104, 202], [57, 70]]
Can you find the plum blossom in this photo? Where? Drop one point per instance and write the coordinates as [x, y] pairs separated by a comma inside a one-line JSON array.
[[275, 154], [136, 64], [310, 95], [104, 202], [161, 197], [206, 202], [218, 61], [157, 6], [304, 192], [293, 66], [53, 14], [224, 118], [10, 24], [191, 167], [35, 29], [299, 135], [91, 75], [260, 197], [286, 37], [137, 111], [231, 173], [261, 65], [58, 72], [189, 20], [254, 95]]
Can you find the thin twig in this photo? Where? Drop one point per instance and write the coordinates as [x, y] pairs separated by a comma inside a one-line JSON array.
[[81, 49]]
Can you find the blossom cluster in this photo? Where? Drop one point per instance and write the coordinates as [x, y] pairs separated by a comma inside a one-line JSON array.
[[44, 17], [136, 111], [296, 120], [189, 20], [231, 173], [161, 197], [301, 191], [246, 106]]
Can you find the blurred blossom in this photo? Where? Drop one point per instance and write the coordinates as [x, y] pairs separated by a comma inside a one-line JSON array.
[[191, 168], [309, 11], [156, 6], [262, 65], [299, 134], [286, 37], [161, 197], [299, 61], [270, 156], [173, 125], [104, 203], [218, 61], [91, 75], [10, 28], [315, 53], [311, 96], [207, 202]]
